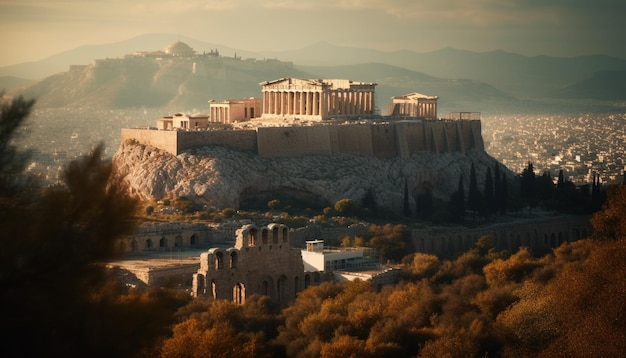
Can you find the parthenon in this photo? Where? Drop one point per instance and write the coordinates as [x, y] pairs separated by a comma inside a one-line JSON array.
[[317, 99]]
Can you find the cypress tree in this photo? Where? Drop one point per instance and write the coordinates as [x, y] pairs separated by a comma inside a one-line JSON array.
[[497, 189], [503, 195], [407, 208], [489, 197], [474, 197]]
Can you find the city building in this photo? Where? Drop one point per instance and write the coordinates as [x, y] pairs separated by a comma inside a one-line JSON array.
[[234, 110], [317, 99], [183, 121]]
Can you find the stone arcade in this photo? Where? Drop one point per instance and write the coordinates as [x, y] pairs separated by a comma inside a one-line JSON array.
[[262, 262]]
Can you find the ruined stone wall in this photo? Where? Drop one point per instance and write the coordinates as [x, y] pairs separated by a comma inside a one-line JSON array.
[[539, 234], [293, 141], [164, 237], [262, 262]]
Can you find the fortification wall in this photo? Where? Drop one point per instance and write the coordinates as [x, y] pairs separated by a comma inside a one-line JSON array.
[[352, 139], [236, 139], [293, 141], [381, 140], [164, 140], [384, 141]]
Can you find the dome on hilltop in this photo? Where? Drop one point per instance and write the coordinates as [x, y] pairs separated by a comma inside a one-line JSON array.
[[180, 49]]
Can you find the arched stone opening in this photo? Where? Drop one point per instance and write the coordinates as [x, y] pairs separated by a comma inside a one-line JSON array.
[[275, 235], [252, 237], [163, 243], [122, 247], [193, 240], [200, 282], [219, 260], [239, 293], [149, 244], [285, 234], [307, 281], [133, 245], [233, 260], [213, 289]]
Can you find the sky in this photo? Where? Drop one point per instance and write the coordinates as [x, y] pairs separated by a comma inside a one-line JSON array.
[[32, 30]]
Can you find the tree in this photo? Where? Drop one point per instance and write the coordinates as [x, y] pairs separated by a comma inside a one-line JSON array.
[[54, 241], [528, 186], [406, 210], [369, 203], [504, 194], [497, 188], [474, 199], [424, 204], [346, 207], [457, 201], [489, 195], [12, 115]]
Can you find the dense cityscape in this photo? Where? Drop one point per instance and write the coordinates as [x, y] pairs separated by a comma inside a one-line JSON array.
[[581, 145]]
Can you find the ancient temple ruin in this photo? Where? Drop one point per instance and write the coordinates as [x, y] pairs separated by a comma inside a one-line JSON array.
[[317, 99], [415, 105]]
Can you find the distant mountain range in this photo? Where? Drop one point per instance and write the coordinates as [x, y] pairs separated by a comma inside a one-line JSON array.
[[463, 79]]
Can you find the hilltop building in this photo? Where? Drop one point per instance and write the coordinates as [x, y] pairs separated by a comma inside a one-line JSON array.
[[415, 105], [183, 121], [234, 110], [293, 98]]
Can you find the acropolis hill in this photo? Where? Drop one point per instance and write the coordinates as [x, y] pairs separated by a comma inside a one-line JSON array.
[[317, 137]]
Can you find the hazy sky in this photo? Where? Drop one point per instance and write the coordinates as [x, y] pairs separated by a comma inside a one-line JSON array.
[[34, 29]]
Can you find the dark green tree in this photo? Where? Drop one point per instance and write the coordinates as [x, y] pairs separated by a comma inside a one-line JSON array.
[[474, 198], [528, 186], [457, 201], [406, 209], [503, 199], [545, 188], [490, 203], [368, 203], [424, 204], [13, 114], [497, 189]]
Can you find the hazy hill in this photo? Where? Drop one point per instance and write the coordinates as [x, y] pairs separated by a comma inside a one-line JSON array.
[[605, 85], [521, 76], [186, 84], [82, 55], [179, 84], [8, 83], [455, 94], [464, 80]]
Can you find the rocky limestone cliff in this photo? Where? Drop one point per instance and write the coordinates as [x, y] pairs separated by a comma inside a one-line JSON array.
[[222, 177]]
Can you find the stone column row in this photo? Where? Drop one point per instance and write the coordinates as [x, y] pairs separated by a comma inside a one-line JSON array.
[[220, 115], [305, 103], [317, 103]]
